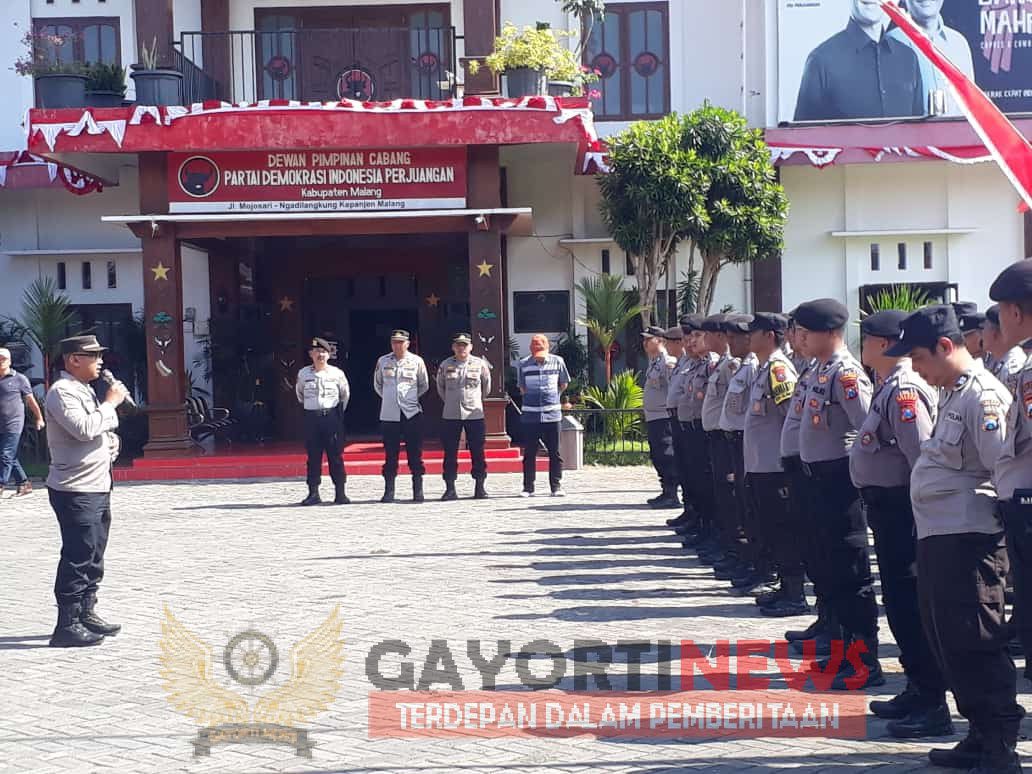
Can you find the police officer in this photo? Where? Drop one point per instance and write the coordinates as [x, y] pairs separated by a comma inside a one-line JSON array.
[[83, 446], [463, 381], [1004, 361], [696, 469], [1013, 290], [961, 556], [768, 485], [748, 571], [323, 391], [400, 379], [902, 414], [970, 320], [721, 546], [836, 405], [676, 343], [657, 420]]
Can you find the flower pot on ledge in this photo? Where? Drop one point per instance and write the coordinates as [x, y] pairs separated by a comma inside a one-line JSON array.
[[524, 82], [60, 90], [158, 87], [560, 89], [104, 99]]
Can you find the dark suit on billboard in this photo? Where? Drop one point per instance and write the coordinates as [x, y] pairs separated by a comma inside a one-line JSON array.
[[852, 76]]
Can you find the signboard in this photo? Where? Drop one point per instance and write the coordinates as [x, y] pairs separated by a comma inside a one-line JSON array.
[[841, 59], [317, 181]]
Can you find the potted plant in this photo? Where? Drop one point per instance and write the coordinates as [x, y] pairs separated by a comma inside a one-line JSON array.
[[59, 84], [106, 85], [529, 57], [155, 85]]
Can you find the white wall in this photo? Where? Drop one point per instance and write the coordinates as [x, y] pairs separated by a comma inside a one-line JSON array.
[[17, 89]]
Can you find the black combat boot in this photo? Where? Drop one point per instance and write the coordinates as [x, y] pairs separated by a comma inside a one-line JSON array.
[[924, 721], [791, 602], [313, 496], [966, 754], [899, 706], [869, 674], [998, 757], [340, 494], [811, 631], [449, 490], [70, 631], [417, 489], [94, 622], [479, 492], [388, 491], [668, 499]]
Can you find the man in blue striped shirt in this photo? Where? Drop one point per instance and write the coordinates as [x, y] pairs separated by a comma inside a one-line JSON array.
[[542, 379]]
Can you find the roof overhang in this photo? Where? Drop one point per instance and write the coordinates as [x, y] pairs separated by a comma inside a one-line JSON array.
[[516, 221], [221, 126]]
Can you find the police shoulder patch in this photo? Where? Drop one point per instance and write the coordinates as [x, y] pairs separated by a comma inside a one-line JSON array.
[[781, 387], [907, 399], [849, 379], [990, 414]]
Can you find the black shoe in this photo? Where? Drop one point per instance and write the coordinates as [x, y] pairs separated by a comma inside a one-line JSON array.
[[70, 632], [898, 707], [785, 608], [819, 626], [729, 572], [94, 622], [692, 539], [767, 598], [656, 499], [686, 518], [313, 498], [749, 581], [1002, 763], [388, 492], [479, 492], [966, 754], [934, 721], [667, 501], [868, 676], [341, 499], [449, 492], [821, 646]]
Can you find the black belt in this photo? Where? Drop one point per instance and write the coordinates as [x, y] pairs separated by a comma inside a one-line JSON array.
[[733, 435], [692, 424], [672, 413], [321, 412], [827, 468]]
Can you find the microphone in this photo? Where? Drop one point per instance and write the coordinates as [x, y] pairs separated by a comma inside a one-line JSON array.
[[109, 378]]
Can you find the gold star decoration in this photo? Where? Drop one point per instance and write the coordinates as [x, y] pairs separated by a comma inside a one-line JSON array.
[[286, 304], [485, 268], [161, 272], [432, 300]]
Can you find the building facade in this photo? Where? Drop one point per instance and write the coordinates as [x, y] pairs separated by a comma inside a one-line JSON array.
[[485, 219]]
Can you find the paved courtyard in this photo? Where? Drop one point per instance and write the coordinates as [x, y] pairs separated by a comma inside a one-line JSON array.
[[232, 556]]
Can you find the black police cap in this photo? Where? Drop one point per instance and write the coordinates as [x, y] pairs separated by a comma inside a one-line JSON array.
[[318, 343], [885, 324], [673, 334], [992, 315], [970, 323], [737, 323], [962, 308], [1014, 282], [823, 314], [714, 323], [924, 328], [691, 322], [653, 331], [768, 321]]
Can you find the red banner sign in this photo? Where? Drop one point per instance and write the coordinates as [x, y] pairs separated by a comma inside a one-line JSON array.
[[317, 181]]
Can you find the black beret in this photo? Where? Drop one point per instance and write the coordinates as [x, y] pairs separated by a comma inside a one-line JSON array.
[[970, 323], [992, 315], [653, 331], [961, 308], [1014, 282], [673, 334], [737, 323], [714, 323], [768, 321], [924, 328], [824, 314], [885, 324], [691, 322]]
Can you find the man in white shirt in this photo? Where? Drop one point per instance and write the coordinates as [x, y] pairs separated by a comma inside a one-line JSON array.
[[324, 392]]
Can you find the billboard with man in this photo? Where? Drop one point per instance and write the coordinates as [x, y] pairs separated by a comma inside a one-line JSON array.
[[844, 60]]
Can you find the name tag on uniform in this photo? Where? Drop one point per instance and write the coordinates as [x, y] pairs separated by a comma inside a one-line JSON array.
[[388, 371], [451, 373]]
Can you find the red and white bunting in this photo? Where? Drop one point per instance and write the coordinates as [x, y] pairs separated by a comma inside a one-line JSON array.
[[818, 157], [976, 154], [71, 179]]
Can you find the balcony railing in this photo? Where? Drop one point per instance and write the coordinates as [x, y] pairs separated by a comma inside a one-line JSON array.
[[371, 63]]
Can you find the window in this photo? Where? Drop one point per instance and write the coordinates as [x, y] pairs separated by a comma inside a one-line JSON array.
[[901, 252], [875, 256], [629, 265], [545, 311], [93, 39], [629, 50], [112, 275], [62, 276], [87, 275], [928, 255], [605, 262]]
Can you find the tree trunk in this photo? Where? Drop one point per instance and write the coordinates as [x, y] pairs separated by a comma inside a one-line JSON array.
[[711, 266], [609, 364]]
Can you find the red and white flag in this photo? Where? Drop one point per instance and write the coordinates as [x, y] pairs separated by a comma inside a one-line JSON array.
[[1010, 149]]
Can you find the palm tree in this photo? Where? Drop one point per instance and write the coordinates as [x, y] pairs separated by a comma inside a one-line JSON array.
[[46, 317], [905, 298], [607, 311]]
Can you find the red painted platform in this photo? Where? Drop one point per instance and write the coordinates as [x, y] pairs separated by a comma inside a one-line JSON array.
[[275, 460]]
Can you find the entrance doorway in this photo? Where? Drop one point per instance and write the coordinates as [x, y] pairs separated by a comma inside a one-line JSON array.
[[370, 338]]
